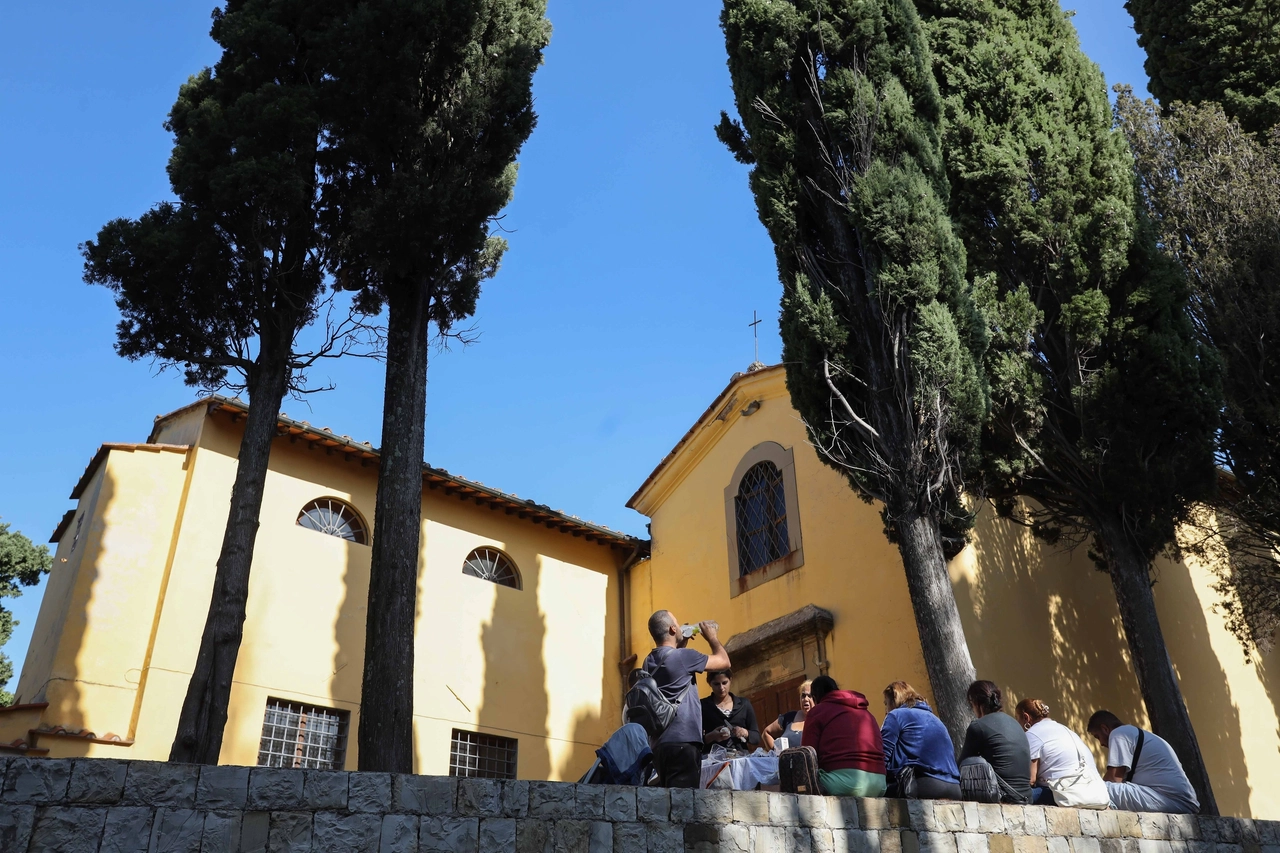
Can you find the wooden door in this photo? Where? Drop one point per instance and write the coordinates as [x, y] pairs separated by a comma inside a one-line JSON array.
[[775, 700]]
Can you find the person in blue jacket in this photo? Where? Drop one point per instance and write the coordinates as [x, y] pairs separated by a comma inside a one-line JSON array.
[[914, 737]]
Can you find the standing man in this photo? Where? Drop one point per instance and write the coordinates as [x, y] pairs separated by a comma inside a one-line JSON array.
[[1143, 772], [678, 750]]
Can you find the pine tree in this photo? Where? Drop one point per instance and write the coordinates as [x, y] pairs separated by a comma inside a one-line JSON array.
[[21, 564], [1214, 50], [222, 281], [881, 337], [1104, 405], [1213, 192], [435, 103]]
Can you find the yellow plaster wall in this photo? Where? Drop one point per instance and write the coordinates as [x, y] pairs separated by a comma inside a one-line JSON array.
[[92, 635], [1039, 622], [537, 664]]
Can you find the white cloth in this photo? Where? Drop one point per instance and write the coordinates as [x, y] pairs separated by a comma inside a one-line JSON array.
[[1058, 749], [1066, 767], [1158, 769], [1128, 797], [741, 774]]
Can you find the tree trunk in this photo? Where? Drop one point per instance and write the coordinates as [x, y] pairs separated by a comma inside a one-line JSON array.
[[946, 653], [204, 711], [386, 705], [1131, 579]]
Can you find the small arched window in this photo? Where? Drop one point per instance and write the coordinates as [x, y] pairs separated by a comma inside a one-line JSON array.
[[490, 564], [335, 518], [761, 514]]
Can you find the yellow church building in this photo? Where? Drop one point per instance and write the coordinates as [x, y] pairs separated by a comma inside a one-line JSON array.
[[514, 597], [545, 613]]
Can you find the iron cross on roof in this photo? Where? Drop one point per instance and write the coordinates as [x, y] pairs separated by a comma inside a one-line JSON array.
[[755, 332]]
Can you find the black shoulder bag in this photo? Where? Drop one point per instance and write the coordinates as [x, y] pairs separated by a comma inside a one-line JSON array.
[[1137, 753]]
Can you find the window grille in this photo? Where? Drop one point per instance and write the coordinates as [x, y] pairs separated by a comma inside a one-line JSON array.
[[490, 564], [482, 756], [296, 735], [335, 518], [761, 512]]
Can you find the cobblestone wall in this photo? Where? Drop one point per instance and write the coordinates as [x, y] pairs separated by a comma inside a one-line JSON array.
[[101, 806]]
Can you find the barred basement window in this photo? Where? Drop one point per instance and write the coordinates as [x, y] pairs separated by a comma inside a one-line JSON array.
[[335, 518], [490, 564], [761, 509], [295, 735], [482, 756]]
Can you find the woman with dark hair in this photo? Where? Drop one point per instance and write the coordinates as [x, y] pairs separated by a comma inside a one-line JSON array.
[[919, 757], [996, 739], [727, 719], [847, 740]]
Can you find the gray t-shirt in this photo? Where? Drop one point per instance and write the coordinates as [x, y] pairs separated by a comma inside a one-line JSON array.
[[673, 670], [1158, 766]]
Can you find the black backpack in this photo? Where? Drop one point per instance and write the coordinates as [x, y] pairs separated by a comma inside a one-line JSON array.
[[649, 706]]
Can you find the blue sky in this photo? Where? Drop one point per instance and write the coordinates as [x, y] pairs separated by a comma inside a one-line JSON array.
[[621, 309]]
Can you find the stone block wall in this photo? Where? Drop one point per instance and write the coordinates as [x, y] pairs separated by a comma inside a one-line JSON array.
[[105, 806]]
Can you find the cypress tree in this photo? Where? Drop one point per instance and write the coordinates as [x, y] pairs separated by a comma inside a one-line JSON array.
[[1104, 405], [1214, 50], [881, 337], [221, 281], [434, 104], [1213, 192]]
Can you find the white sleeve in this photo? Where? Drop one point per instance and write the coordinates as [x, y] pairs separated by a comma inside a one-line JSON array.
[[1120, 747]]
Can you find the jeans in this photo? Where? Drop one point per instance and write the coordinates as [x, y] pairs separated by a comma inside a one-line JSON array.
[[1041, 796]]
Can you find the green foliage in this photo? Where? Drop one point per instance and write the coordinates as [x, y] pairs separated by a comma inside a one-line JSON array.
[[1212, 191], [21, 564], [1102, 401], [433, 102], [235, 268], [1214, 50], [881, 335]]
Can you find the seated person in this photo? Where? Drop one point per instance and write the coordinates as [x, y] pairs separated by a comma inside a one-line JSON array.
[[727, 719], [914, 737], [997, 739], [1149, 778], [789, 725], [845, 735], [1059, 757]]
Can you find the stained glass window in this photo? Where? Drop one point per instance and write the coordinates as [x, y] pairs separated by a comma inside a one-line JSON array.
[[761, 512]]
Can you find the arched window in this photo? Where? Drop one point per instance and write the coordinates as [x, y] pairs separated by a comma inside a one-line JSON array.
[[761, 511], [334, 517], [490, 564]]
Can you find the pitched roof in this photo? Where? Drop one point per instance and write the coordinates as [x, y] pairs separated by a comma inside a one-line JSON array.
[[718, 409], [433, 478]]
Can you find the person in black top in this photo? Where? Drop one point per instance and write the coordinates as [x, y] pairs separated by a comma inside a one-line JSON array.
[[727, 719], [998, 739]]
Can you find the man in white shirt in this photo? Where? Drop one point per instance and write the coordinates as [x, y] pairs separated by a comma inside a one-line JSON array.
[[1143, 772]]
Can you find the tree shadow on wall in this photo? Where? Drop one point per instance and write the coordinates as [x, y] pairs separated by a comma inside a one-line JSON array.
[[514, 701], [1044, 623]]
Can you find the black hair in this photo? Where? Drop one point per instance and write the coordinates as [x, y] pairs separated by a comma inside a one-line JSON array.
[[727, 673], [821, 686], [1103, 718], [986, 695]]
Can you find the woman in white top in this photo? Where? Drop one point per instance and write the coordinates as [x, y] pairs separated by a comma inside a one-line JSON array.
[[1063, 771]]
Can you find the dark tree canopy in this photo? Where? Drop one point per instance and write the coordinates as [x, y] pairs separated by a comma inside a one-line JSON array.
[[1104, 404], [21, 564], [1212, 191], [433, 102], [1214, 50], [881, 335], [222, 281]]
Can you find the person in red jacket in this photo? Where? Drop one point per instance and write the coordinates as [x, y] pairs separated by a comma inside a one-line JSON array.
[[846, 737]]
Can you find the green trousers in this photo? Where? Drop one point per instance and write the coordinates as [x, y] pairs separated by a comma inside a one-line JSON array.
[[852, 783]]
